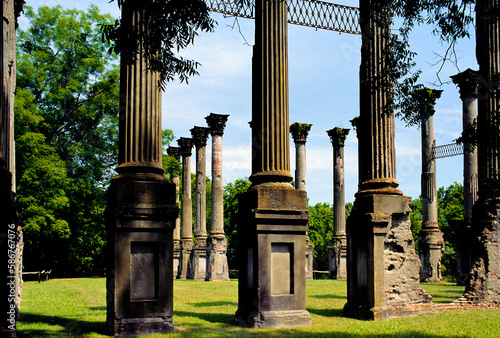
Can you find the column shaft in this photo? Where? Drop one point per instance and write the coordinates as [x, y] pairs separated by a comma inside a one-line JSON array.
[[270, 126], [217, 220]]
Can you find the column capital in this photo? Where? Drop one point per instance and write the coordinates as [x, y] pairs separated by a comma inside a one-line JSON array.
[[175, 152], [426, 99], [467, 82], [338, 136], [217, 123], [300, 131], [200, 136], [185, 144]]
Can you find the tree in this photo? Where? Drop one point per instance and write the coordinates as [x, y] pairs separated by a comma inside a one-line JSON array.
[[170, 27], [232, 192], [321, 232], [66, 117]]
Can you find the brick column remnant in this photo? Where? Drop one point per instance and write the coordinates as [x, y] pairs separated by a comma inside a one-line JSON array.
[[430, 238], [299, 132], [186, 144], [141, 209], [484, 281], [176, 153], [217, 268], [338, 254], [199, 256], [272, 232], [382, 266], [467, 83]]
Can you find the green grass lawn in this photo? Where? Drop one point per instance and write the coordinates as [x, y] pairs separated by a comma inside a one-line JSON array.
[[77, 307]]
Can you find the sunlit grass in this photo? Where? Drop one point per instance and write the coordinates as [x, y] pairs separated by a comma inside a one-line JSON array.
[[65, 307]]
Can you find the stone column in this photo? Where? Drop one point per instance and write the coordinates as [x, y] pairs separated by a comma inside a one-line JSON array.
[[382, 267], [484, 280], [217, 269], [467, 82], [176, 152], [141, 208], [11, 281], [299, 133], [338, 254], [272, 232], [199, 256], [186, 144], [430, 238]]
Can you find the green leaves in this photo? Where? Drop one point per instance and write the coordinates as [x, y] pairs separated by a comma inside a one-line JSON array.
[[171, 25], [66, 132]]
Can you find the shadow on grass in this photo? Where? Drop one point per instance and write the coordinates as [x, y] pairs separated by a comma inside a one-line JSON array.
[[71, 327], [327, 312], [221, 303], [222, 318], [328, 297], [97, 308]]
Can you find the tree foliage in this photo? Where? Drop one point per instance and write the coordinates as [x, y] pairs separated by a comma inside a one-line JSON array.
[[232, 191], [321, 232], [171, 25], [451, 20], [66, 117]]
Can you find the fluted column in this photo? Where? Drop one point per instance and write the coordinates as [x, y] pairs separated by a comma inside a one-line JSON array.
[[270, 126], [217, 268], [199, 256], [272, 232], [378, 228], [467, 82], [338, 261], [141, 208], [431, 243], [484, 279], [176, 152], [186, 144], [299, 132]]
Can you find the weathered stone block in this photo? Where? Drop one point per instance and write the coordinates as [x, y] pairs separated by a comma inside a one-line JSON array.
[[272, 237]]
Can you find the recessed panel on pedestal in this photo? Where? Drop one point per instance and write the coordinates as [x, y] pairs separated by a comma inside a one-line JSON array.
[[282, 269], [143, 271]]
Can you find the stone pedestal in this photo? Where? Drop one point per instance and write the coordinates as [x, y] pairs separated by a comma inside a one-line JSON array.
[[430, 238], [186, 242], [338, 254], [141, 210], [467, 82], [271, 278], [484, 280], [272, 232], [382, 267], [141, 215], [217, 268]]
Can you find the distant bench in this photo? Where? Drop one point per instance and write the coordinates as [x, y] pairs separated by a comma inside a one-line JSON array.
[[43, 275]]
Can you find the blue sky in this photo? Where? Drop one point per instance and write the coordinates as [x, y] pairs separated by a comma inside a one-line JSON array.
[[323, 74]]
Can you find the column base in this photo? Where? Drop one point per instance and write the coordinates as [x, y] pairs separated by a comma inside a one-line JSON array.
[[431, 248], [144, 326], [337, 262], [484, 280], [217, 268], [198, 269], [383, 268], [274, 319], [309, 260], [140, 275], [185, 259], [272, 238], [177, 258]]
